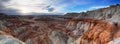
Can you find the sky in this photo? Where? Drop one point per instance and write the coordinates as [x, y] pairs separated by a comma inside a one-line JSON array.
[[52, 6]]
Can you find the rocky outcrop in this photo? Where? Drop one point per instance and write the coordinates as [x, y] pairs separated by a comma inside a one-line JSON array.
[[4, 39], [99, 26], [100, 33]]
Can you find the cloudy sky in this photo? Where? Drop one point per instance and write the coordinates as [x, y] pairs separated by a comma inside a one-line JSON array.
[[52, 6]]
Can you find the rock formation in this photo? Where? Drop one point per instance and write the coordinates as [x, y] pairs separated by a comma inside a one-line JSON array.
[[101, 26]]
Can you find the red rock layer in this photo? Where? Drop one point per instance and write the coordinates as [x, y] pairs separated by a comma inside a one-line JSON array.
[[49, 31], [100, 33]]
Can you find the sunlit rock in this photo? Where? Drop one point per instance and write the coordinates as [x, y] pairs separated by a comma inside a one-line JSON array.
[[4, 39]]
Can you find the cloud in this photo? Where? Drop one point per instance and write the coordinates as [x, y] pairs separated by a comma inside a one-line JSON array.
[[81, 2], [4, 0], [97, 7], [50, 9], [10, 11], [38, 6], [45, 6], [4, 9], [1, 6]]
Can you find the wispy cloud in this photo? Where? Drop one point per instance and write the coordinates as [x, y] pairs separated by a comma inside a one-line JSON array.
[[81, 2], [38, 6], [52, 6], [96, 7]]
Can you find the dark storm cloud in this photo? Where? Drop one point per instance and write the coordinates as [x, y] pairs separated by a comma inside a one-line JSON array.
[[50, 9], [5, 0], [1, 6], [9, 11]]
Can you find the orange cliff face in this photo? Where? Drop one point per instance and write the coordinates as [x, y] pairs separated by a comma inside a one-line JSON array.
[[101, 32]]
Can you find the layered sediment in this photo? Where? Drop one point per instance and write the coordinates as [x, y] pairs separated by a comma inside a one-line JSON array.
[[101, 26]]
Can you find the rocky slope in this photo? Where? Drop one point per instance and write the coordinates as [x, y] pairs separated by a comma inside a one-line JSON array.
[[99, 26]]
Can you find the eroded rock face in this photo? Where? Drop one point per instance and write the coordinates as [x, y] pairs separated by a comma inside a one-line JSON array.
[[100, 26], [4, 39], [116, 41], [99, 34]]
